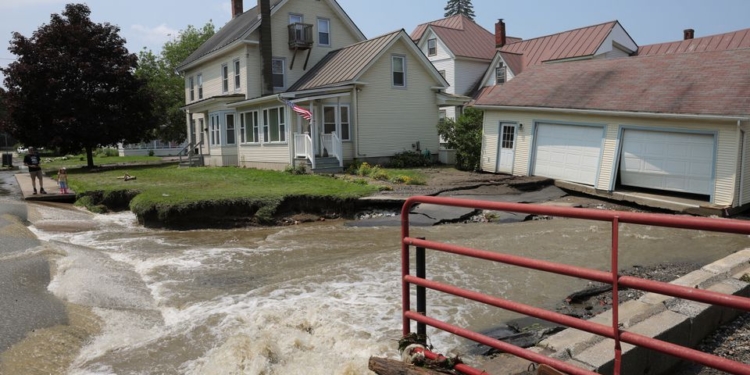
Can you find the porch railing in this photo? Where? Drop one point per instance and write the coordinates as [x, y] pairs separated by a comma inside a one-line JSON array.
[[332, 144], [303, 147], [189, 150], [337, 151], [612, 277]]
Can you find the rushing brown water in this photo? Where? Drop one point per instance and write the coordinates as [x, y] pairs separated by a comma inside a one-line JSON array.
[[312, 299]]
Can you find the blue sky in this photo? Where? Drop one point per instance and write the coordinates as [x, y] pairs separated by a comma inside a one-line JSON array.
[[150, 23]]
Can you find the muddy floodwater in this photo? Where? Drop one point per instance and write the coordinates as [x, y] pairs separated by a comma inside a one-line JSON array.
[[315, 299]]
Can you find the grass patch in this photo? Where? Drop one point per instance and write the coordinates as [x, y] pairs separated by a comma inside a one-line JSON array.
[[168, 191], [76, 161]]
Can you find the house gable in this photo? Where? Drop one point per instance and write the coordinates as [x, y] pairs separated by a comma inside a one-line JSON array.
[[348, 65]]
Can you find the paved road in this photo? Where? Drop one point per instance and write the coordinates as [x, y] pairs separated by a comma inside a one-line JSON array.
[[25, 303]]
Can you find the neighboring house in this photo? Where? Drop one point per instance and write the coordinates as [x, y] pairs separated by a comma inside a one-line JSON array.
[[603, 41], [675, 123], [720, 42], [461, 51], [369, 99]]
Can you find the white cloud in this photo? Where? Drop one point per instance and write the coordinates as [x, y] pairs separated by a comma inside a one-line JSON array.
[[10, 4], [154, 37]]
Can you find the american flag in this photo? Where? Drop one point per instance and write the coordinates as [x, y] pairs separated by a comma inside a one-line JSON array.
[[307, 115]]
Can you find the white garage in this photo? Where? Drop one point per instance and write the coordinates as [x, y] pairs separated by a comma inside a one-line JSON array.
[[681, 162], [567, 152]]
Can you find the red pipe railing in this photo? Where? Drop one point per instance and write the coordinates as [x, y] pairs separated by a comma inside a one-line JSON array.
[[612, 278]]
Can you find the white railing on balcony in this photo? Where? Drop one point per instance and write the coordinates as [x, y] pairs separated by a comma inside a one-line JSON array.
[[303, 147]]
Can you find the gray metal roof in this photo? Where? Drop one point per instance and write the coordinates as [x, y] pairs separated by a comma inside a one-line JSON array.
[[346, 64], [232, 31]]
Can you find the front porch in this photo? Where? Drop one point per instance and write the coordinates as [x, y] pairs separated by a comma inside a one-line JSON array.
[[326, 157]]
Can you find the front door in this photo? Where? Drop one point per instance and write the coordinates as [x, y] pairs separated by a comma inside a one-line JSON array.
[[507, 148]]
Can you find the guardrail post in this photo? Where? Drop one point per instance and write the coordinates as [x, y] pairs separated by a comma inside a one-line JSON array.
[[421, 294]]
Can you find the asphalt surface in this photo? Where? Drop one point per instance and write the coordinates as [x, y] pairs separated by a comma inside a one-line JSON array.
[[430, 214], [25, 303]]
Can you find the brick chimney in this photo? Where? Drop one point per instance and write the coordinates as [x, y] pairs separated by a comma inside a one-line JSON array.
[[688, 34], [236, 8], [266, 46], [499, 33]]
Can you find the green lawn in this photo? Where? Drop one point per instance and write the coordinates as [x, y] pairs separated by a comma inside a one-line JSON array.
[[80, 161], [168, 187]]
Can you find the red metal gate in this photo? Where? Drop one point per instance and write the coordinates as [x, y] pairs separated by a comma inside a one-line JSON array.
[[612, 277]]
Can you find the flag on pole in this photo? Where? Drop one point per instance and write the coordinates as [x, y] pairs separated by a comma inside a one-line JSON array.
[[307, 115]]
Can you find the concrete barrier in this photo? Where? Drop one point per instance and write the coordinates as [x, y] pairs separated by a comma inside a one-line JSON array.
[[674, 320]]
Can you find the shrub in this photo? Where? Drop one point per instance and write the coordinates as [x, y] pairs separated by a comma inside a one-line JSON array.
[[409, 159], [400, 179], [299, 169], [150, 152], [364, 169], [465, 136], [376, 173]]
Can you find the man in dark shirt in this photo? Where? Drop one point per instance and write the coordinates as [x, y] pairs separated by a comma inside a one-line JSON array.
[[34, 162]]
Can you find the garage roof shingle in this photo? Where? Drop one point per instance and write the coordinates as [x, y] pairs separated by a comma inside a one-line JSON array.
[[701, 83]]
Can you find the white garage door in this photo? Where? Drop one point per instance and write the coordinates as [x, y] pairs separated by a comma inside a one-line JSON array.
[[667, 161], [568, 152]]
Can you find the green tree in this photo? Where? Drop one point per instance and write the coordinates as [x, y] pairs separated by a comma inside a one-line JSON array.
[[465, 136], [160, 71], [455, 7], [72, 86]]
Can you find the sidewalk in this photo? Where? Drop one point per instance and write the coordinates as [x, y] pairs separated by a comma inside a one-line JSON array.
[[50, 186]]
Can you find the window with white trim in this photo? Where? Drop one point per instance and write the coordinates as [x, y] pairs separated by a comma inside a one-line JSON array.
[[398, 68], [295, 18], [191, 86], [230, 129], [200, 86], [277, 68], [337, 121], [214, 130], [431, 47], [224, 78], [274, 125], [237, 80], [324, 32], [500, 73], [249, 127]]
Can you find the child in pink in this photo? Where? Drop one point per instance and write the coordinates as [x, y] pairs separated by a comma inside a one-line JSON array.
[[62, 179]]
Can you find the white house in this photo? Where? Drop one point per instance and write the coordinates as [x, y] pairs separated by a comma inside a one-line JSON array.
[[369, 99]]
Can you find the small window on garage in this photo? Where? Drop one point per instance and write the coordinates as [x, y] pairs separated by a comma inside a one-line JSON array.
[[508, 136]]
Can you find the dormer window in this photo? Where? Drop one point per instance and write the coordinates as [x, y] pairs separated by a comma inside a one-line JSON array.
[[431, 47], [500, 73]]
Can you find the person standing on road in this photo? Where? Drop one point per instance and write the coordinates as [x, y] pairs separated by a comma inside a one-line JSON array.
[[34, 162]]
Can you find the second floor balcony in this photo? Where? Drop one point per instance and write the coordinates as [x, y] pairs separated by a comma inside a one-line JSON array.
[[300, 36]]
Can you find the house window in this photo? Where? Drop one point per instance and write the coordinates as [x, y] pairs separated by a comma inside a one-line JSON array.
[[230, 129], [338, 123], [278, 73], [500, 73], [295, 18], [200, 86], [299, 32], [274, 126], [200, 128], [224, 78], [249, 127], [237, 81], [398, 66], [191, 85], [431, 47], [324, 32], [441, 116], [214, 133]]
